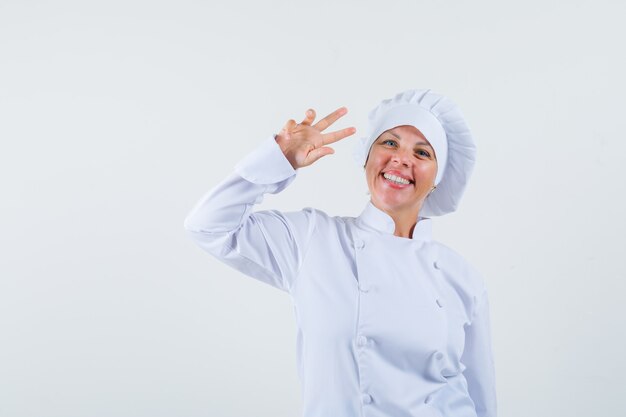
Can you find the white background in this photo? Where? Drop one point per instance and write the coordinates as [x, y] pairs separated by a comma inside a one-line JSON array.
[[117, 116]]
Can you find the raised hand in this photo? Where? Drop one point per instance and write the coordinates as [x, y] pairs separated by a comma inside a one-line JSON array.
[[303, 143]]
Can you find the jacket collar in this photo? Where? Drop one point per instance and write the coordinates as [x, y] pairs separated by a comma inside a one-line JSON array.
[[377, 219]]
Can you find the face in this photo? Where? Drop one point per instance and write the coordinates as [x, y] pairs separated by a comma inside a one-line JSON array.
[[400, 170]]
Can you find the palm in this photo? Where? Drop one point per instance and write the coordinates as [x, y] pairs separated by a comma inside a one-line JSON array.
[[305, 143]]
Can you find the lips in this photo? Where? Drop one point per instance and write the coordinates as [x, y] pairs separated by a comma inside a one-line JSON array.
[[399, 178]]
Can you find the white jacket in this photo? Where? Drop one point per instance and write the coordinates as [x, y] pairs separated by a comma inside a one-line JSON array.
[[387, 326]]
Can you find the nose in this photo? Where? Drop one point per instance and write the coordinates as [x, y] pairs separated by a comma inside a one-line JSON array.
[[403, 157]]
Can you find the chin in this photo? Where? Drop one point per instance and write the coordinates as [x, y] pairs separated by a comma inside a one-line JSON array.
[[393, 205]]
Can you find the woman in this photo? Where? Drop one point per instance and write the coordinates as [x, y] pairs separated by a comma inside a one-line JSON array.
[[390, 322]]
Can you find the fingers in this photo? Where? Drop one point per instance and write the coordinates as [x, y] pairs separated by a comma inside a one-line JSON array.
[[330, 119], [333, 137], [308, 119], [290, 125], [317, 153]]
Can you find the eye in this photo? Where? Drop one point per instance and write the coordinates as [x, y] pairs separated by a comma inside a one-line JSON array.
[[389, 141], [422, 152]]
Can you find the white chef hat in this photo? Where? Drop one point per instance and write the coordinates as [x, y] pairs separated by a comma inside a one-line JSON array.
[[443, 125]]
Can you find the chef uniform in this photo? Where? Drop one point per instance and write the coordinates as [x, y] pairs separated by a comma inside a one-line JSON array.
[[387, 326]]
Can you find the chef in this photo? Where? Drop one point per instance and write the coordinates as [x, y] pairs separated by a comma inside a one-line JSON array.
[[390, 323]]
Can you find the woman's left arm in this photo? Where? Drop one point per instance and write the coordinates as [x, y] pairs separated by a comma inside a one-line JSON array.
[[478, 359]]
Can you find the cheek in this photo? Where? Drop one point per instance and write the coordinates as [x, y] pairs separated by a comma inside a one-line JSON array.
[[370, 175], [429, 170], [373, 165], [377, 158]]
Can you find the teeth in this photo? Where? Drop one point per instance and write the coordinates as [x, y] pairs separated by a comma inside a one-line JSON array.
[[395, 179]]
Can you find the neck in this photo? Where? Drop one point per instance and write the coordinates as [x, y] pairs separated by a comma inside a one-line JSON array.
[[405, 221]]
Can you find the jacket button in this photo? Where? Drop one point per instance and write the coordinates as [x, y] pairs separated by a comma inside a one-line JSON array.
[[439, 302], [428, 399], [361, 340], [366, 398], [364, 288], [436, 265], [359, 244]]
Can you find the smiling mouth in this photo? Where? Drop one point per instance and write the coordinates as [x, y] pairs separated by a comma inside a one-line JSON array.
[[396, 180]]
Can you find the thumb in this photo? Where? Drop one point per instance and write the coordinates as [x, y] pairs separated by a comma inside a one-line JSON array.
[[290, 124], [286, 131]]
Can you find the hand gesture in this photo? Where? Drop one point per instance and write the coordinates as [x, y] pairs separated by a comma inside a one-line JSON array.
[[303, 143]]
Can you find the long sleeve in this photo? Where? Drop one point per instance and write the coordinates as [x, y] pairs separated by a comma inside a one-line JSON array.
[[266, 245], [478, 360]]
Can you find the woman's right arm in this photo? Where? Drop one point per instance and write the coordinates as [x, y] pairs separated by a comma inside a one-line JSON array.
[[267, 245]]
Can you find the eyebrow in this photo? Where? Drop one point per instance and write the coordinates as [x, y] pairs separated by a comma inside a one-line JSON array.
[[418, 143]]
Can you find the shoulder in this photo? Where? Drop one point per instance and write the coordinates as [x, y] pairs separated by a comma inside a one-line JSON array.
[[307, 215], [307, 218], [326, 227], [456, 268], [324, 218]]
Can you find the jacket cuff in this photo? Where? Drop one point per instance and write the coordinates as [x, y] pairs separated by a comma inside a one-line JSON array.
[[266, 164]]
